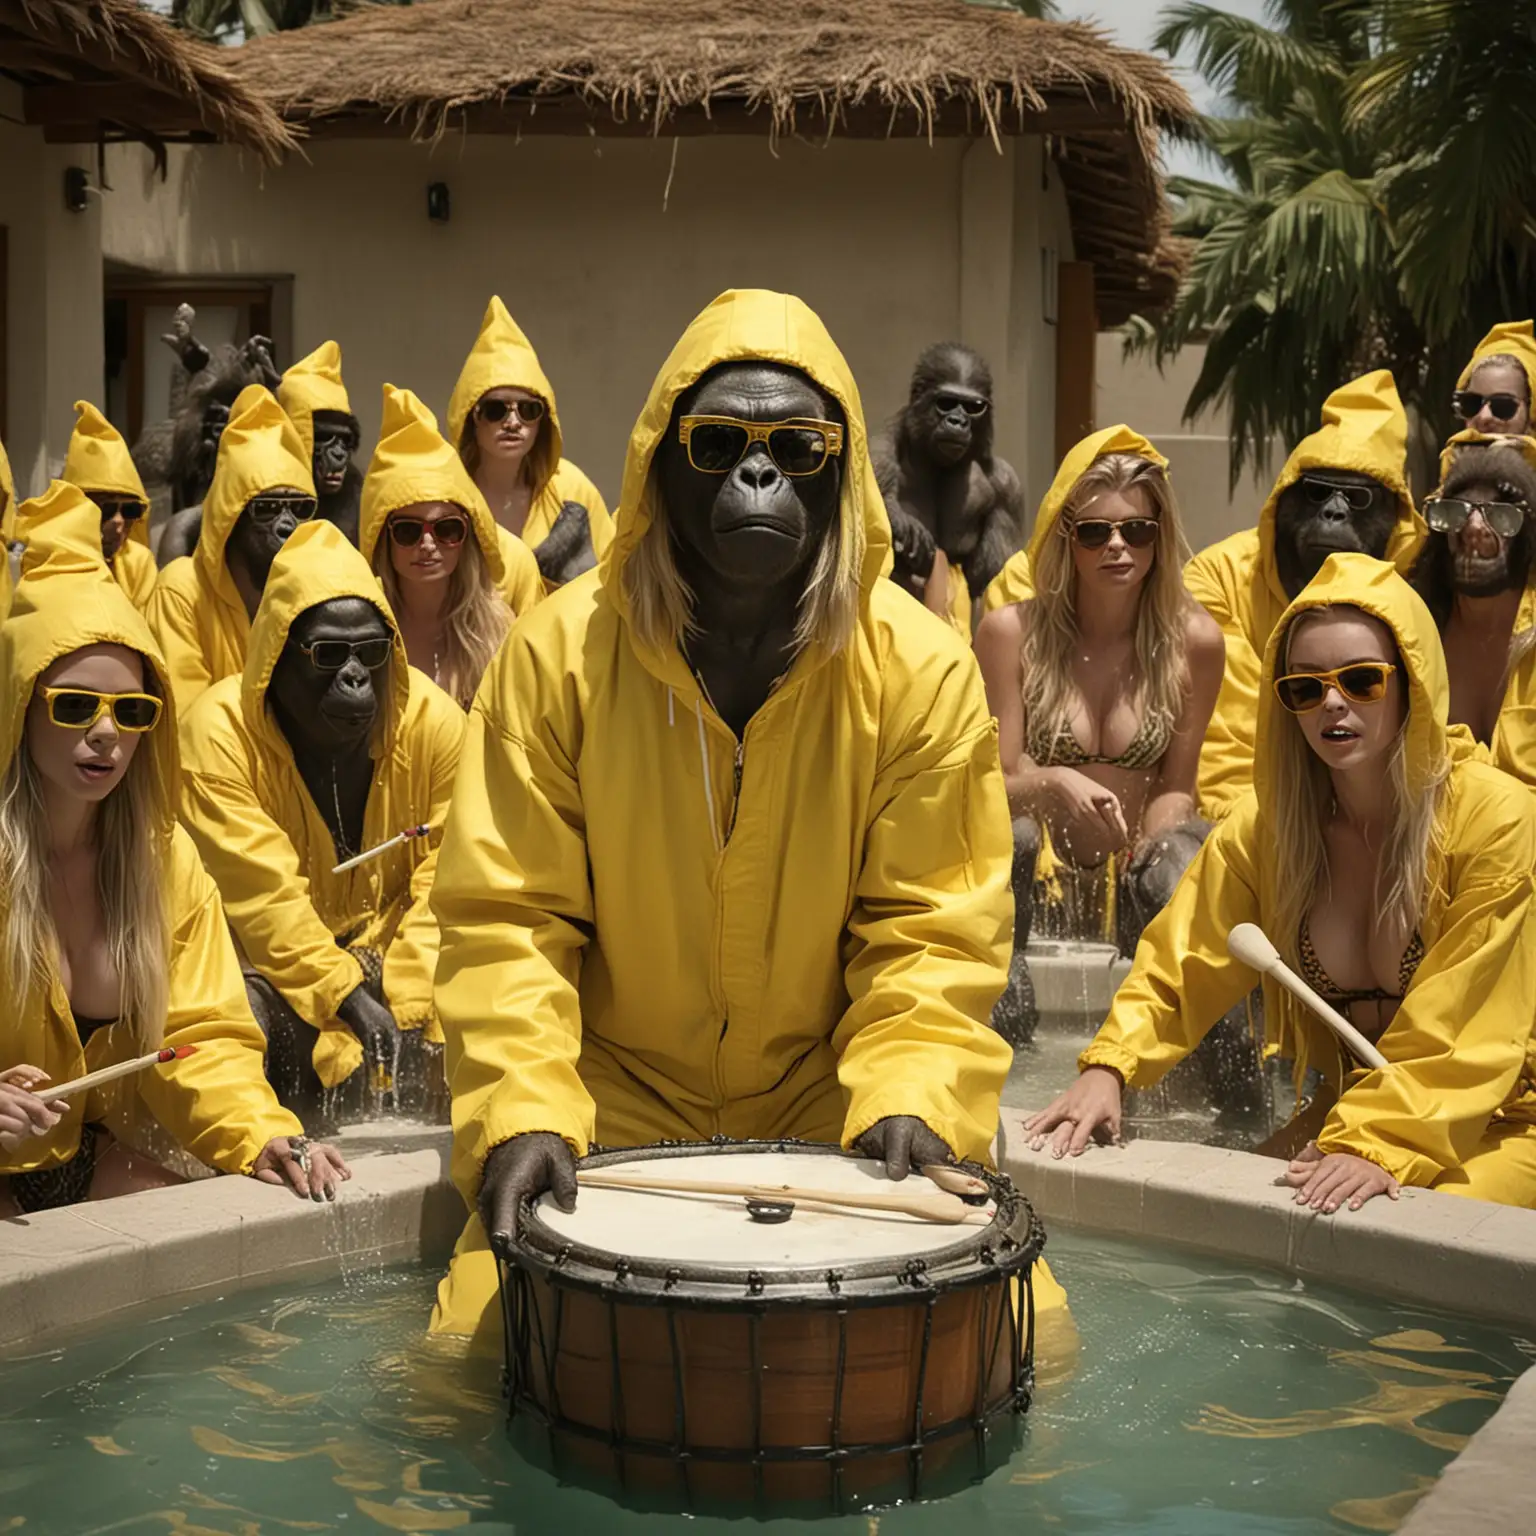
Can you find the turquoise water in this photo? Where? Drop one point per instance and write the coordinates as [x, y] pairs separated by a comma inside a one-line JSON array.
[[1202, 1399]]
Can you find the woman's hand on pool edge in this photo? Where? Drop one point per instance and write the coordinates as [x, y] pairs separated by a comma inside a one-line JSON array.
[[312, 1176], [1325, 1181], [1088, 1111]]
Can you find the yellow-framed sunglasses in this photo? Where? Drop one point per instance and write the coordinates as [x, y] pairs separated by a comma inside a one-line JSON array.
[[1361, 682], [799, 446], [78, 709]]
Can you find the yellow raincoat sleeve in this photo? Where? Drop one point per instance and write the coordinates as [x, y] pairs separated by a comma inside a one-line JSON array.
[[217, 1102], [523, 584], [259, 874], [173, 620], [136, 572], [1182, 979], [411, 960], [514, 904], [931, 928], [1458, 1043]]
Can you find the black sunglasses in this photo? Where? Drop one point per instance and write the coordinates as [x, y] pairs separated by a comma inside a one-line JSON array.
[[1450, 515], [972, 408], [1467, 403], [449, 532], [129, 510], [1320, 492], [267, 509], [333, 655], [498, 410], [1095, 532]]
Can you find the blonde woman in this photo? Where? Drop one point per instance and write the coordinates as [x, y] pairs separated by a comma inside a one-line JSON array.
[[113, 942], [1394, 872], [503, 421], [1102, 684], [453, 583]]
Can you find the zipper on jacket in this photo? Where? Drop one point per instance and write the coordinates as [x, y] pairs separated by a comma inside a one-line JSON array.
[[741, 753]]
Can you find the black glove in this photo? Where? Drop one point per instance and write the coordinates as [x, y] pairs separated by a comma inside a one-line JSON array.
[[525, 1166], [373, 1024], [904, 1144]]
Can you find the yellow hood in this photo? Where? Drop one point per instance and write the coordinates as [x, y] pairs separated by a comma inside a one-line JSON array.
[[317, 563], [313, 384], [740, 325], [67, 598], [1510, 338], [414, 462], [1470, 436], [503, 358], [260, 450], [1117, 439], [98, 460]]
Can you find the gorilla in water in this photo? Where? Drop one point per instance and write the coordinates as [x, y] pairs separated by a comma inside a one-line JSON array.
[[943, 487], [1329, 512]]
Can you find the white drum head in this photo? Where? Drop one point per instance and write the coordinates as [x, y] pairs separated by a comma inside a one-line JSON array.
[[709, 1230]]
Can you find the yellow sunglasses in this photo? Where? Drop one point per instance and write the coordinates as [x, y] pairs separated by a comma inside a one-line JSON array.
[[78, 709], [1362, 682]]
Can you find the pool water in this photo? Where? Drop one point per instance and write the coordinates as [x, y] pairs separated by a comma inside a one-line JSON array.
[[1198, 1398]]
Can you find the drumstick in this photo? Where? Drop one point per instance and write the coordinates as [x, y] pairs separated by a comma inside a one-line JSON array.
[[931, 1207], [109, 1074], [1250, 944], [407, 836]]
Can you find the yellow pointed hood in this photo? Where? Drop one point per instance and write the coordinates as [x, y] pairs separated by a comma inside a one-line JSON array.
[[67, 598], [260, 451], [317, 564], [1116, 439], [313, 384], [1470, 437], [1365, 429], [745, 325], [1510, 338], [412, 463], [98, 460], [503, 358]]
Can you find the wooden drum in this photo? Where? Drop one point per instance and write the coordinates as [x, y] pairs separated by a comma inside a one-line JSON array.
[[676, 1349]]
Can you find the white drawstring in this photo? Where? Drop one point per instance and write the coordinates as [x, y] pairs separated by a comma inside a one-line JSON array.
[[671, 715], [709, 786]]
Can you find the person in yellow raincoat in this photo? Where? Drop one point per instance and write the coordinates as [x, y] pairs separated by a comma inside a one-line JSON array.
[[1344, 488], [98, 872], [1393, 872], [503, 420], [98, 461], [1493, 394], [315, 399], [455, 581], [690, 889], [326, 746], [203, 604]]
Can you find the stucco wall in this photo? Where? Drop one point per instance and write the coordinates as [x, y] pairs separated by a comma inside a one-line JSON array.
[[605, 248]]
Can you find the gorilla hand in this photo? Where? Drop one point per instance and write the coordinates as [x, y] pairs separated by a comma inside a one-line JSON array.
[[567, 548], [524, 1168], [373, 1024], [257, 355], [911, 543], [904, 1144], [191, 353]]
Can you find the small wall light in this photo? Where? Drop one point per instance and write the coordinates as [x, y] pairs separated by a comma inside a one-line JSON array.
[[437, 202], [77, 189]]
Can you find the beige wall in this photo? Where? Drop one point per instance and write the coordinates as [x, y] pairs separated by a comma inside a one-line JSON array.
[[1136, 393], [605, 248], [53, 297]]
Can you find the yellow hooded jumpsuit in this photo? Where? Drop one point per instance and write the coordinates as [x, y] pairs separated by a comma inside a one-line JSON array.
[[414, 463], [652, 930], [1455, 1108], [216, 1103], [197, 613], [98, 460], [503, 358], [268, 847], [1365, 430]]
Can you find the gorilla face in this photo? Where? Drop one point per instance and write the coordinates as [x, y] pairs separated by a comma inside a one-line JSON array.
[[745, 522], [948, 418], [330, 682], [1483, 563], [263, 527], [1328, 512], [336, 439]]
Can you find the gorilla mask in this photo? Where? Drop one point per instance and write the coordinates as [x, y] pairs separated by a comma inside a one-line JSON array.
[[751, 514], [336, 440], [1480, 561], [333, 677], [1329, 512], [262, 529]]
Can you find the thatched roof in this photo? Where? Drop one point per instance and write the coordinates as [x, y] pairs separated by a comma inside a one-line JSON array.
[[867, 68], [95, 70]]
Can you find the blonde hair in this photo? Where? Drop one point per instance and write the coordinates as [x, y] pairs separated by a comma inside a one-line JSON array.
[[661, 602], [1162, 613], [1300, 799], [475, 620], [132, 838]]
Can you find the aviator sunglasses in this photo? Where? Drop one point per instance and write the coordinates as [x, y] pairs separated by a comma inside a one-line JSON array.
[[800, 446], [972, 408], [1362, 682], [1449, 515], [78, 709], [1467, 403], [1320, 492], [1095, 532], [333, 655], [498, 410], [267, 509], [447, 532]]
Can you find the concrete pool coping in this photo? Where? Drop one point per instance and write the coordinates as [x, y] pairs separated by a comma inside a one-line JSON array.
[[65, 1271]]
